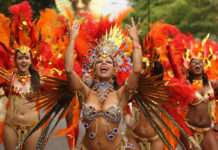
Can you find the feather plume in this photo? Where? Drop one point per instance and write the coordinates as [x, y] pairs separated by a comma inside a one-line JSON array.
[[122, 15], [21, 12], [46, 24], [57, 99]]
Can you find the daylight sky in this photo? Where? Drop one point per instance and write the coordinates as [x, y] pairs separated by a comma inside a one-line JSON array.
[[114, 7]]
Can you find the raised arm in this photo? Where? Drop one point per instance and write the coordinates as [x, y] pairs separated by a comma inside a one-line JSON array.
[[74, 79], [175, 67], [132, 81]]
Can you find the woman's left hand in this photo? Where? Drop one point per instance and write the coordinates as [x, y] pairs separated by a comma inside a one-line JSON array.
[[133, 30]]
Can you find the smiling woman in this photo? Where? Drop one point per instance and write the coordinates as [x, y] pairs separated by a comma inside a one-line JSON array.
[[21, 115], [23, 62], [200, 116], [103, 103], [196, 67]]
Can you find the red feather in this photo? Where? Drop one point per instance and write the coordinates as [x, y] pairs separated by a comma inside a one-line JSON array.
[[5, 59], [21, 12]]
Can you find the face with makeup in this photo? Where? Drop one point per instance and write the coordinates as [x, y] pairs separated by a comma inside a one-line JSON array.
[[196, 66], [23, 62], [104, 68], [80, 5]]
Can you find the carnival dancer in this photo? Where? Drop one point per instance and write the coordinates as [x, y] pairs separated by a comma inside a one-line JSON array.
[[202, 56], [201, 111], [103, 103], [199, 117], [154, 42], [108, 54], [21, 116], [140, 132]]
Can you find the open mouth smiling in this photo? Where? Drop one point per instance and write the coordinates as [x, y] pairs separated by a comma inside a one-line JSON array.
[[23, 65], [104, 69]]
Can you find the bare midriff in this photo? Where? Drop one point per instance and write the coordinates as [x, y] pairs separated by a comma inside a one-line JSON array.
[[101, 141], [198, 116], [144, 129], [25, 114]]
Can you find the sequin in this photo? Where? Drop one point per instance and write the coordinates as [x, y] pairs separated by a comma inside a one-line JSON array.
[[115, 131], [112, 114], [110, 137], [85, 125], [91, 135]]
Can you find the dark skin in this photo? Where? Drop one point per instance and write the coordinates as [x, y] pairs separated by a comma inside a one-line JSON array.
[[144, 129], [197, 115]]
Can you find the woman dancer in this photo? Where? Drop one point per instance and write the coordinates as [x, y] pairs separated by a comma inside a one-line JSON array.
[[19, 83], [140, 133], [103, 103], [198, 117], [201, 111], [21, 115]]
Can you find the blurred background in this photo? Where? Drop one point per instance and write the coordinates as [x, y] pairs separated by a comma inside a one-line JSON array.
[[197, 17]]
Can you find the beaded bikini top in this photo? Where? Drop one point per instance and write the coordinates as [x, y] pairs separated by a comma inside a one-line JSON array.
[[204, 97], [112, 114], [16, 90], [90, 115]]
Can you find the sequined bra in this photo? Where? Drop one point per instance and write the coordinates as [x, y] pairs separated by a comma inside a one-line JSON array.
[[112, 114], [17, 91], [90, 115], [206, 97]]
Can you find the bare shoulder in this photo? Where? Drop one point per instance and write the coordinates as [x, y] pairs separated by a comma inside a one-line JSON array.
[[215, 85]]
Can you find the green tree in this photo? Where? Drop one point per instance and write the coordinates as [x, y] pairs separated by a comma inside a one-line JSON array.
[[36, 5], [197, 17]]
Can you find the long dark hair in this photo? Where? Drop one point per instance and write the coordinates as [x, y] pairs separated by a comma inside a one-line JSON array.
[[158, 69], [35, 78]]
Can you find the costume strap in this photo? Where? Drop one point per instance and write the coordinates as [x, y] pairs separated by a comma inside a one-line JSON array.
[[198, 132]]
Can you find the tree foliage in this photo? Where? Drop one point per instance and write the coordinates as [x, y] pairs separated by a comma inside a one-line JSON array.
[[197, 17], [36, 5]]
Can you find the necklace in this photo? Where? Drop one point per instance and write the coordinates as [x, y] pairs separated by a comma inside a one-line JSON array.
[[23, 79], [197, 84], [103, 89]]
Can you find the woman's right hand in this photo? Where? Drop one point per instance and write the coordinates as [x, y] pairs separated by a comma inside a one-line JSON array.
[[74, 30], [133, 30]]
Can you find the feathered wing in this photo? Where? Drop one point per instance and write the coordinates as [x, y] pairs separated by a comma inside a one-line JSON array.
[[161, 36], [5, 42], [152, 94], [5, 78], [56, 98], [149, 96]]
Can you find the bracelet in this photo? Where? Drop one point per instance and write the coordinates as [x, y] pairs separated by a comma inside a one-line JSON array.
[[136, 47]]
